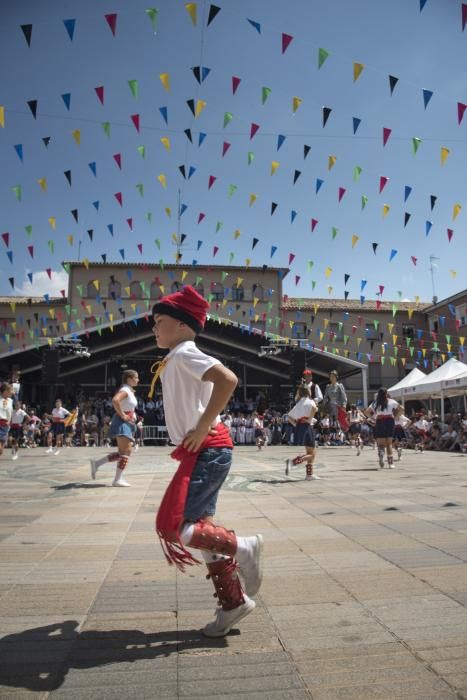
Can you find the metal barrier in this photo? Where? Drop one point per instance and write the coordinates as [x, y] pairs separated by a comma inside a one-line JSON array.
[[155, 433]]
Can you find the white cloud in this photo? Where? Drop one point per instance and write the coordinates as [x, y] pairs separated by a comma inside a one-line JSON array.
[[41, 284]]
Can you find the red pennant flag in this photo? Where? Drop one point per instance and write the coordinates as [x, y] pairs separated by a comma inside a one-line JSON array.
[[212, 180], [450, 234], [342, 192], [235, 83], [378, 304], [63, 292], [297, 279], [383, 180], [140, 248], [291, 258], [413, 259], [130, 224], [135, 120], [100, 93], [286, 39], [314, 223], [464, 15], [225, 148], [214, 251], [253, 129], [31, 250], [49, 272], [118, 159], [119, 198], [460, 111], [112, 22], [386, 135], [201, 217], [6, 238]]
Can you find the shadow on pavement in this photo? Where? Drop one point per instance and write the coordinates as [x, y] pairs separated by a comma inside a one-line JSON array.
[[40, 658], [78, 485]]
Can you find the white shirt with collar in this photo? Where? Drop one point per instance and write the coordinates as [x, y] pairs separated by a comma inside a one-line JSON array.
[[185, 394]]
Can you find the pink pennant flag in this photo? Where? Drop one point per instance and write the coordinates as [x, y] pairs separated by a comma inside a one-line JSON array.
[[342, 192], [201, 217], [464, 15], [414, 259], [253, 129], [212, 180], [381, 288], [225, 148], [112, 22], [235, 83], [378, 304], [49, 272], [63, 292], [386, 134], [118, 159], [140, 248], [450, 234], [291, 258], [6, 238], [135, 120], [314, 223], [119, 198], [214, 251], [286, 39], [100, 93], [383, 180], [130, 224], [297, 279], [31, 250], [460, 111]]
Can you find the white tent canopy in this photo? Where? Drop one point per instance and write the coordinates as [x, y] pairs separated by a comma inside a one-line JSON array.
[[409, 380], [431, 386], [455, 386]]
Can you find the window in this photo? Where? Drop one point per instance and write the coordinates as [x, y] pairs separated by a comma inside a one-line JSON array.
[[155, 290], [375, 377], [136, 291], [176, 287], [238, 293], [336, 331], [217, 291], [115, 290], [258, 292], [461, 314], [371, 333], [91, 291], [408, 331], [299, 330], [434, 323]]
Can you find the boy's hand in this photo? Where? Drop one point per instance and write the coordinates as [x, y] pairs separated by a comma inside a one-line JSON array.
[[195, 438]]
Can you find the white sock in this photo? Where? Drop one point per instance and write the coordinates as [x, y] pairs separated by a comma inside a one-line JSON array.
[[119, 474], [187, 533], [185, 537], [244, 549], [102, 460]]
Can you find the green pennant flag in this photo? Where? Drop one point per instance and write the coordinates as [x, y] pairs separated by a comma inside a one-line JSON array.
[[158, 243], [79, 287], [313, 284], [232, 190], [28, 230], [310, 265], [322, 56], [376, 324], [346, 339], [357, 171], [364, 201], [142, 151], [251, 157], [218, 226], [265, 94], [152, 13], [66, 267], [231, 257], [335, 231], [416, 145], [106, 127], [133, 85], [224, 275], [411, 350], [51, 245], [198, 280], [161, 264], [140, 189], [68, 309], [17, 190], [228, 116], [394, 309], [149, 216]]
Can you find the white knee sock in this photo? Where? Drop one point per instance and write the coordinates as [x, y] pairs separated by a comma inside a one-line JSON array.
[[185, 536]]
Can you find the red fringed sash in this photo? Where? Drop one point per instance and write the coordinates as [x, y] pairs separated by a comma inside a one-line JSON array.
[[342, 418], [170, 515]]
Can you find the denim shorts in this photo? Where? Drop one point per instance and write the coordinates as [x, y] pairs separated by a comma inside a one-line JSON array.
[[207, 477], [121, 428]]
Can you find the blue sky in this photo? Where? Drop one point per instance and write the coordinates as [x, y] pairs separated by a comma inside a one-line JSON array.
[[424, 49]]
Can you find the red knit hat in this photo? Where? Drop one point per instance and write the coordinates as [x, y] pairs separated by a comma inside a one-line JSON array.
[[186, 305]]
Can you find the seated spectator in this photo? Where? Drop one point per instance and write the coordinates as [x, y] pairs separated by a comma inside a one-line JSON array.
[[448, 439]]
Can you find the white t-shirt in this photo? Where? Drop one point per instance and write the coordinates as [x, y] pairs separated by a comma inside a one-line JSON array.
[[388, 411], [318, 392], [6, 409], [422, 424], [129, 401], [185, 395], [402, 420], [59, 414], [302, 409], [18, 417]]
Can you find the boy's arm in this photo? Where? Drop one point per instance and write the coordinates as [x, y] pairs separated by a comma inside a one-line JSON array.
[[224, 382]]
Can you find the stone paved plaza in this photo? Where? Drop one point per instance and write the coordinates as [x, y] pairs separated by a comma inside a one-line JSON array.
[[364, 593]]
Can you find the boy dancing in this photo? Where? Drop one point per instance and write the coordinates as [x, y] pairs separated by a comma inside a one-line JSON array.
[[196, 388]]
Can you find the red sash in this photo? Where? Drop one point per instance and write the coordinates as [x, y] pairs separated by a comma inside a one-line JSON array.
[[171, 511], [342, 418]]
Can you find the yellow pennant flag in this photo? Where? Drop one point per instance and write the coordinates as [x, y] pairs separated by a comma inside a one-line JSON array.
[[357, 69], [461, 339], [200, 105], [224, 302], [256, 318], [394, 339], [13, 325], [255, 301], [86, 263], [174, 237], [236, 234], [77, 136], [2, 117], [13, 306], [390, 327], [168, 211], [127, 291], [65, 326], [386, 209], [330, 288], [456, 210], [331, 162], [359, 340], [184, 275], [162, 288], [444, 154], [133, 307], [162, 179], [53, 222], [449, 346], [253, 199], [417, 299], [274, 166], [296, 102], [453, 273], [410, 312], [315, 308], [165, 141], [328, 271], [326, 322], [96, 283], [165, 80], [239, 281], [248, 262], [52, 313], [70, 239], [43, 183], [321, 335], [191, 8], [355, 240]]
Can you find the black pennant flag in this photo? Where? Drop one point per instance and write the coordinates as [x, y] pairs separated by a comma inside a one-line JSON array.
[[213, 12], [27, 31], [32, 104], [392, 83], [326, 113]]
